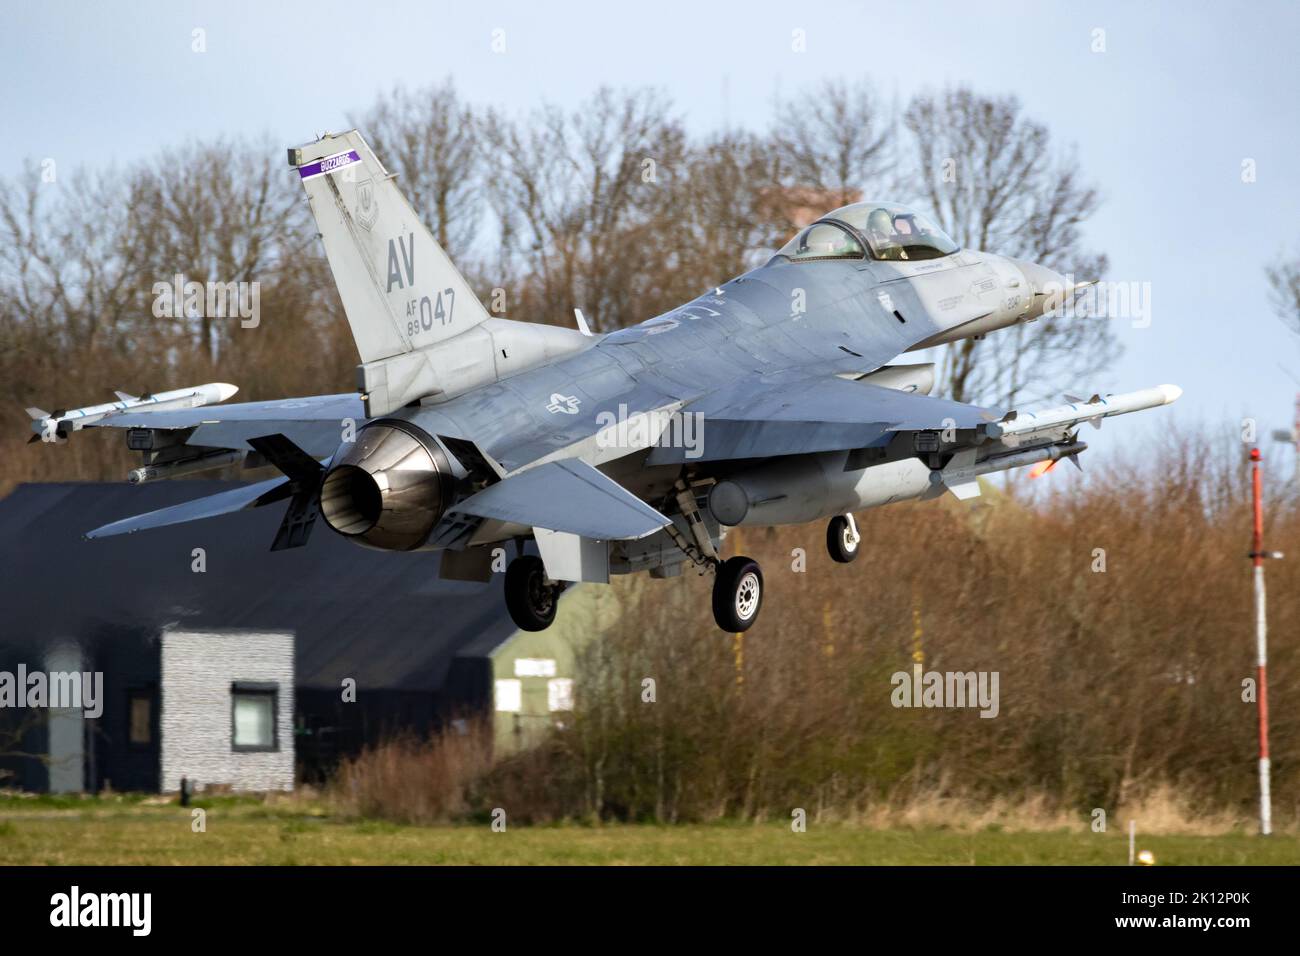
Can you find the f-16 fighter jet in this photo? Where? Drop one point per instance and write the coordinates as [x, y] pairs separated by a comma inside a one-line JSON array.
[[775, 398]]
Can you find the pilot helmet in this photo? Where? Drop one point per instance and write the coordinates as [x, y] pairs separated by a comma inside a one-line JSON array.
[[880, 222]]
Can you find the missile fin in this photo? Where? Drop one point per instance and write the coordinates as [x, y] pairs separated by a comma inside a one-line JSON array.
[[965, 490], [123, 396], [38, 413]]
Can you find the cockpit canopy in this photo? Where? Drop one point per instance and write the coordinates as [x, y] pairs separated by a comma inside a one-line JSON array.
[[892, 233]]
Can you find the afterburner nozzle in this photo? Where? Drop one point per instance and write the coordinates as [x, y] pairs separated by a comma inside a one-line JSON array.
[[388, 488]]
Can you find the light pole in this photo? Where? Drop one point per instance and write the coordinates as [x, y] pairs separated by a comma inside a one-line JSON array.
[[1257, 556]]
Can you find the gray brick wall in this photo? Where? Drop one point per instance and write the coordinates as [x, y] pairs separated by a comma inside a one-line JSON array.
[[66, 727], [197, 671]]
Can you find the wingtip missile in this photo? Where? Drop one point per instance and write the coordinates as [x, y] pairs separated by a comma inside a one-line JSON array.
[[60, 422]]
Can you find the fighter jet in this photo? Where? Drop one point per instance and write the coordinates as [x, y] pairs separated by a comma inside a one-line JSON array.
[[774, 398]]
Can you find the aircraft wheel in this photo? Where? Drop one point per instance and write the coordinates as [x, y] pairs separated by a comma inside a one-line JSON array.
[[842, 540], [530, 598], [737, 594]]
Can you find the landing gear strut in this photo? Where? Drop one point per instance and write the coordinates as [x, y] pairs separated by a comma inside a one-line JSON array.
[[531, 598], [737, 582], [842, 538], [737, 594]]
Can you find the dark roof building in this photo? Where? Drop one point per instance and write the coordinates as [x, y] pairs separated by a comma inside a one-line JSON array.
[[420, 649]]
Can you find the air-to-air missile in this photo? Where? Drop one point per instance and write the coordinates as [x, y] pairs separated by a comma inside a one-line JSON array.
[[1022, 426], [56, 425]]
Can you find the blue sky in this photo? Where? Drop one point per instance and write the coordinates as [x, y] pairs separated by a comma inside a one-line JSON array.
[[1163, 119]]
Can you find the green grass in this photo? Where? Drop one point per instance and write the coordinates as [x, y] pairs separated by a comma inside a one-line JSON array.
[[243, 831]]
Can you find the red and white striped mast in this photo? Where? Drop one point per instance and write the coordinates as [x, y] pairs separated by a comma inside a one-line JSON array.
[[1257, 556]]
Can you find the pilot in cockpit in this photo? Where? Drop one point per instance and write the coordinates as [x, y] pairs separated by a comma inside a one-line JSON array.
[[884, 240]]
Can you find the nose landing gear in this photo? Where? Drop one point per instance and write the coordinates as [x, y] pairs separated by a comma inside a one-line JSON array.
[[531, 598], [842, 538]]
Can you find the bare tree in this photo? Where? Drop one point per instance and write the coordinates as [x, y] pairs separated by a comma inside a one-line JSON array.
[[730, 216], [835, 139], [996, 183], [67, 268], [1284, 283], [221, 212], [430, 139], [16, 734], [587, 202], [79, 260]]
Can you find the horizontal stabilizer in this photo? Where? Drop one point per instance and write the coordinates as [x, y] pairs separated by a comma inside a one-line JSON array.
[[570, 496], [226, 502]]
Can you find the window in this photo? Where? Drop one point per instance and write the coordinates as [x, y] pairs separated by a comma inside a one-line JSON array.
[[254, 710], [509, 695], [823, 240], [559, 694], [534, 667], [139, 717], [895, 232]]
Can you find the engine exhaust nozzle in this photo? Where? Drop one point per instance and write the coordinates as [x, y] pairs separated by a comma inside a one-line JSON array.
[[388, 488]]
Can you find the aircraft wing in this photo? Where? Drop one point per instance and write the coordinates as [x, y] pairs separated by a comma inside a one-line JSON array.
[[314, 424], [792, 416], [226, 502], [569, 496]]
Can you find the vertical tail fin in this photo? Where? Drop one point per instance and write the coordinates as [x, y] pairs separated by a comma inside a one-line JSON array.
[[399, 289]]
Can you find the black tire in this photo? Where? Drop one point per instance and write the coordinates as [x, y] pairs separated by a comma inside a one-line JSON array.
[[839, 534], [531, 601], [737, 594]]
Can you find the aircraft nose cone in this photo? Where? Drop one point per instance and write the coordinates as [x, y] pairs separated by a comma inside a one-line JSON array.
[[1049, 291], [1042, 280]]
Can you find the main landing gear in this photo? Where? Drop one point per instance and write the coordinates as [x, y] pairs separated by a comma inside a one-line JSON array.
[[737, 593], [842, 538], [531, 598]]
